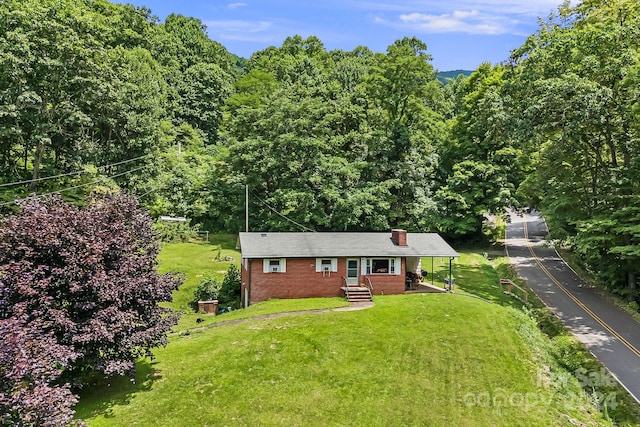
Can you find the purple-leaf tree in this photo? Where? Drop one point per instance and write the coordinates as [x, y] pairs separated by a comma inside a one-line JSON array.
[[30, 364], [84, 279]]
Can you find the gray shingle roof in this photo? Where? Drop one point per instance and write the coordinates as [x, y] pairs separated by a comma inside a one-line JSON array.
[[321, 245]]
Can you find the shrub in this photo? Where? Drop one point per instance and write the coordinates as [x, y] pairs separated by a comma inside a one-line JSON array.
[[569, 352], [175, 231], [230, 291], [208, 289], [548, 322], [80, 287]]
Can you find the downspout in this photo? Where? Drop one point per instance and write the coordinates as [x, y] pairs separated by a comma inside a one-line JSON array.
[[248, 301]]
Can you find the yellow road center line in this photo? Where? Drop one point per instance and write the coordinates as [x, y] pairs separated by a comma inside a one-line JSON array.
[[573, 297]]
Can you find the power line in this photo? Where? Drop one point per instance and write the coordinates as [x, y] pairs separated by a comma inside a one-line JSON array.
[[70, 173], [280, 214], [144, 194], [77, 186]]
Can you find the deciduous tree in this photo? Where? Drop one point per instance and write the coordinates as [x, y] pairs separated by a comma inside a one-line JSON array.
[[79, 293], [577, 91]]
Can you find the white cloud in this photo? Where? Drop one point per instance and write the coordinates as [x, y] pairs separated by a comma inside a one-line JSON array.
[[236, 5], [459, 14], [488, 29], [470, 22], [413, 17], [502, 7], [462, 16], [239, 26], [267, 32]]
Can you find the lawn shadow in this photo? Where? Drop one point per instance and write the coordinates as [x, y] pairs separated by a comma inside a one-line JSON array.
[[224, 240], [101, 398]]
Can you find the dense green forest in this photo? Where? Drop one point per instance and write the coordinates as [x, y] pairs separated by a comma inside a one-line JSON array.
[[96, 97]]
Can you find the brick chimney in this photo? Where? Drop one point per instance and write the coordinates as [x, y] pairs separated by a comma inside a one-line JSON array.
[[399, 237]]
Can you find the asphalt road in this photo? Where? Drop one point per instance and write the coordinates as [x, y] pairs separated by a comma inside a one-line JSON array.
[[609, 333]]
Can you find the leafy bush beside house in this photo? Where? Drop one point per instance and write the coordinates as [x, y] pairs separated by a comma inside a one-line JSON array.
[[207, 290], [230, 291], [226, 292], [82, 283]]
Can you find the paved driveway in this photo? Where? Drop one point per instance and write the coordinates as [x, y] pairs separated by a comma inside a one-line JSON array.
[[609, 333]]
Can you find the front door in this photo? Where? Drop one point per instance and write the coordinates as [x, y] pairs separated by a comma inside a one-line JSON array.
[[353, 271]]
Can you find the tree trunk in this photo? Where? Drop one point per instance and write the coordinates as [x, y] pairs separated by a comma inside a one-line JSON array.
[[36, 165], [626, 153], [631, 286]]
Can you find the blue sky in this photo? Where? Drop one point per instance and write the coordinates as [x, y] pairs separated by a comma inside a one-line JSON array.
[[460, 34]]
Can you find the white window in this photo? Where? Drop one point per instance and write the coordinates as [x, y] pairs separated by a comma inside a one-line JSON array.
[[381, 266], [274, 265], [326, 265]]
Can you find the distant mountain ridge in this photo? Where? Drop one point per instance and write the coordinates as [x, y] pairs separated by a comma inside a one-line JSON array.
[[445, 76]]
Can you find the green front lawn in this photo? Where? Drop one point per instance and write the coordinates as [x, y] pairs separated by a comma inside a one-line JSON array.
[[429, 359], [190, 321], [420, 359]]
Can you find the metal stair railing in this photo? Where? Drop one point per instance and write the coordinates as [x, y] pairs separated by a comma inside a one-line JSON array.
[[346, 287], [369, 286]]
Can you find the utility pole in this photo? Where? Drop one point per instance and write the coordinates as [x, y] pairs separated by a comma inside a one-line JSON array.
[[246, 208]]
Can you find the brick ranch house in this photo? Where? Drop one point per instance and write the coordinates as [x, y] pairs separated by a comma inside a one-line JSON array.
[[304, 265]]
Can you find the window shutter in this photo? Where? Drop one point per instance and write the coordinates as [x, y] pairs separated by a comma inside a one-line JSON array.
[[334, 264], [363, 266], [283, 265], [265, 265], [397, 266]]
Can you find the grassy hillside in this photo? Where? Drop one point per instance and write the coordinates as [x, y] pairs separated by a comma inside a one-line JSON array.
[[421, 359], [195, 261], [437, 359]]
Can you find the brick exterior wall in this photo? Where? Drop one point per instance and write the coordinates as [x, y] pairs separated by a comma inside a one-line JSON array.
[[302, 281], [387, 284]]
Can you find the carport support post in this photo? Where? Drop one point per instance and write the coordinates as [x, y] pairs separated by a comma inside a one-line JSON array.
[[450, 275], [433, 272]]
